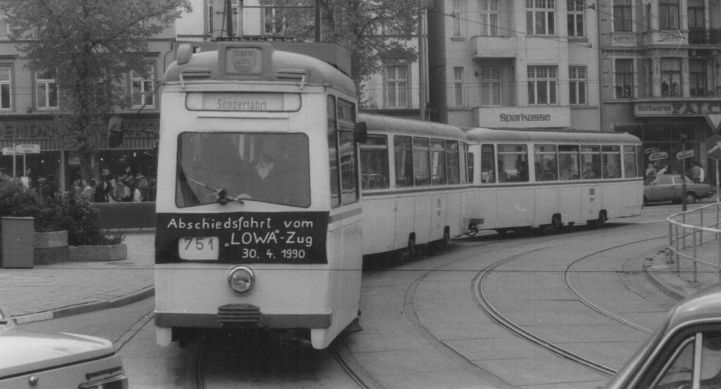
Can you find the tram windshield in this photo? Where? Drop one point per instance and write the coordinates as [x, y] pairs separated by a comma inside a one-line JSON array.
[[272, 168]]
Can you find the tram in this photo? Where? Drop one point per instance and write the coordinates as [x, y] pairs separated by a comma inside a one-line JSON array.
[[413, 179], [258, 201], [524, 178]]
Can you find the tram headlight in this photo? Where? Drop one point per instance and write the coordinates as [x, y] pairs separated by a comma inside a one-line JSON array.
[[241, 279]]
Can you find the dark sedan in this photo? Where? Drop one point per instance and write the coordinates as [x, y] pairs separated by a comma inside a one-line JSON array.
[[668, 187]]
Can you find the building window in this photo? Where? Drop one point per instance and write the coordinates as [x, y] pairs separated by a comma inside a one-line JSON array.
[[540, 17], [698, 77], [490, 79], [671, 77], [47, 91], [622, 15], [210, 17], [695, 15], [396, 86], [4, 27], [576, 18], [5, 88], [143, 88], [489, 17], [542, 81], [458, 86], [457, 17], [577, 84], [624, 78], [668, 14]]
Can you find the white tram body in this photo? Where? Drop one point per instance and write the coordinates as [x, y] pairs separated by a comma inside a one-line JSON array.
[[525, 178], [230, 252], [413, 179]]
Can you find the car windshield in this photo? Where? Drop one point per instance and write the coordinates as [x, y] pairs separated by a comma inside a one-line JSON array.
[[271, 168]]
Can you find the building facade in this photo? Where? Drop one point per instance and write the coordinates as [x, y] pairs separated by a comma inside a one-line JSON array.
[[398, 90], [514, 64], [29, 101], [661, 76]]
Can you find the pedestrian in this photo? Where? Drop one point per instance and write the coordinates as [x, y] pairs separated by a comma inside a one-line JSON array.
[[698, 175]]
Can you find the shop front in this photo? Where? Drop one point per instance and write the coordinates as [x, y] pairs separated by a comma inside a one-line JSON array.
[[674, 134], [52, 160]]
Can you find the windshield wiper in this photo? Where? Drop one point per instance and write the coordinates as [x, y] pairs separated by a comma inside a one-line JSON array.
[[223, 197]]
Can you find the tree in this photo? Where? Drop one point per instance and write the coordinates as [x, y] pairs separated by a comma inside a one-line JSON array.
[[89, 47], [371, 30]]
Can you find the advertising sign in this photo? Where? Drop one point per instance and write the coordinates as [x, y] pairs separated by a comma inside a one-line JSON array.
[[242, 237]]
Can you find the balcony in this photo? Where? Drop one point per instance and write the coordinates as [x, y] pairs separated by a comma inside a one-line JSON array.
[[495, 46], [704, 37]]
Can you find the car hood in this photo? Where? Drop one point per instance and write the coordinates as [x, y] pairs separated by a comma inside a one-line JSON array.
[[23, 351]]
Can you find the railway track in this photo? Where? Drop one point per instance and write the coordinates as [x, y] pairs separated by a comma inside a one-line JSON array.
[[564, 352]]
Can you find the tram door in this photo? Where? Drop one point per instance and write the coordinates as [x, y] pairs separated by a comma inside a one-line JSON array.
[[439, 208]]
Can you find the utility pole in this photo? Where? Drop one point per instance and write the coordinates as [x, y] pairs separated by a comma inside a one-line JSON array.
[[422, 65]]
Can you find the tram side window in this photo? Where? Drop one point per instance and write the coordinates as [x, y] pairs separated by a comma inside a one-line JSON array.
[[488, 165], [630, 169], [470, 161], [374, 162], [438, 162], [463, 168], [421, 162], [591, 162], [347, 153], [611, 161], [403, 156], [545, 162], [333, 154], [453, 174], [512, 163], [568, 162]]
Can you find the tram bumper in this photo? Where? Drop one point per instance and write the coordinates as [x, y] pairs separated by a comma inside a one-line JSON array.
[[243, 316]]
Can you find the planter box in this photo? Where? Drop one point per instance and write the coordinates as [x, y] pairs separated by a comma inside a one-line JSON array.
[[100, 253], [50, 247]]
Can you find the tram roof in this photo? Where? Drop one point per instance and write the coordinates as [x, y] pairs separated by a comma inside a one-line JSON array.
[[389, 124], [257, 61], [542, 136]]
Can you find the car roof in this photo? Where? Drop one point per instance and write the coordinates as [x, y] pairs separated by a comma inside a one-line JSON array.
[[699, 307]]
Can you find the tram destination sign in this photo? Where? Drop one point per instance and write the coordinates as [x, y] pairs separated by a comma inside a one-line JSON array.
[[242, 237]]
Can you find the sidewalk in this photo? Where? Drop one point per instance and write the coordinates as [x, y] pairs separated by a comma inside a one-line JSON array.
[[680, 279], [51, 291]]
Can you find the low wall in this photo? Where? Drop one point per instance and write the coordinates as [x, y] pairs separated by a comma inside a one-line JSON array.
[[126, 215]]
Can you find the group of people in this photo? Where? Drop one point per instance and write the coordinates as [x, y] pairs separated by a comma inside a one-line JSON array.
[[131, 186], [697, 173]]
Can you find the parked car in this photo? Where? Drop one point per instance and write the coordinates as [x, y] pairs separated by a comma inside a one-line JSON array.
[[40, 360], [685, 352], [667, 187]]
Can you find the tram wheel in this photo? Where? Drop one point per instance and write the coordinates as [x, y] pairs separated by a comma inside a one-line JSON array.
[[556, 222]]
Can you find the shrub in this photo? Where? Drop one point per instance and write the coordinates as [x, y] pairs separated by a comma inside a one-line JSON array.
[[60, 212]]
